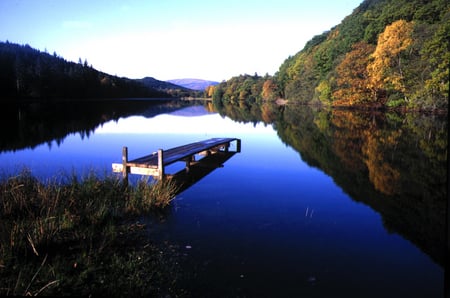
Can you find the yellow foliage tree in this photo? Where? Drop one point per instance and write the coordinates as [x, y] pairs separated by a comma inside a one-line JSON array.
[[385, 69], [209, 91]]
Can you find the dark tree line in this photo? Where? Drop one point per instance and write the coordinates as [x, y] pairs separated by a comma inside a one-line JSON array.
[[26, 73]]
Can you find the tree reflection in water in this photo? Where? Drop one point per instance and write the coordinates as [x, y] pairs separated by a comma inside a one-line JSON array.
[[396, 163]]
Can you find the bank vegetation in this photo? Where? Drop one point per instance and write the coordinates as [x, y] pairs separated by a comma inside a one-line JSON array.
[[79, 236]]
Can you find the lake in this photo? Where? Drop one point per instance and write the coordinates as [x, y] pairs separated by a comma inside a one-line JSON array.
[[317, 204]]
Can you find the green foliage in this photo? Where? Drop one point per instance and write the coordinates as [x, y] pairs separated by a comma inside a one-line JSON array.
[[416, 77], [238, 89], [323, 92]]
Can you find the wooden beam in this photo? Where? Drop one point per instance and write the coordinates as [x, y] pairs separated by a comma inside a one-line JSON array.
[[125, 162], [144, 171], [160, 164]]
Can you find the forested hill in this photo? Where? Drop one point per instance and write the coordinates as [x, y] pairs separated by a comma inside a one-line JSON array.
[[26, 73], [386, 54], [194, 84]]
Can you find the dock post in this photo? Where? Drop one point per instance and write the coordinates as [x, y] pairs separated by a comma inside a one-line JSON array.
[[125, 162], [238, 145], [160, 164], [188, 163]]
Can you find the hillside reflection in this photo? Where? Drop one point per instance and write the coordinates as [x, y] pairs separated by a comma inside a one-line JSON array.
[[394, 163], [29, 125]]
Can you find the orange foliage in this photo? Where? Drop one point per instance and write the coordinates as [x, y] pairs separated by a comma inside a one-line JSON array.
[[352, 76], [268, 90]]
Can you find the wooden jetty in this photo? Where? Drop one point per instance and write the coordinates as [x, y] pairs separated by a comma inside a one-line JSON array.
[[155, 163]]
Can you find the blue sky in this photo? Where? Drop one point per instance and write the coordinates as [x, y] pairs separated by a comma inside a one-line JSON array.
[[172, 39]]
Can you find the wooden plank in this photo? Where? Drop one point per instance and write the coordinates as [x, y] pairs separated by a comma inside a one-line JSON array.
[[118, 168], [144, 171]]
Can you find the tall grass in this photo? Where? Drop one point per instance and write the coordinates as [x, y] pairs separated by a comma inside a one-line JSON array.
[[43, 220]]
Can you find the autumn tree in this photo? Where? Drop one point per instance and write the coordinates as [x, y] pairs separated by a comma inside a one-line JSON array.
[[269, 89], [352, 76], [209, 91], [385, 69]]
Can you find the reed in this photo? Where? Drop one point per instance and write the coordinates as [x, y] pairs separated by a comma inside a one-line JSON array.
[[66, 216]]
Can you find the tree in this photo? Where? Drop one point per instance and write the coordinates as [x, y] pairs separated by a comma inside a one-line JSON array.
[[385, 69], [269, 90], [352, 76], [209, 91], [437, 53]]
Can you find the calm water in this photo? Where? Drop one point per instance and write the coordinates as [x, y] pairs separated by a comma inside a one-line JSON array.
[[317, 204]]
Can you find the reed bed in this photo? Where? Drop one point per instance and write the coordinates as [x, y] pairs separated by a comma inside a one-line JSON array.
[[55, 234]]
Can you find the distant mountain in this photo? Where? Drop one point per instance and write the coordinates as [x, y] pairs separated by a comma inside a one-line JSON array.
[[173, 89], [194, 84], [162, 85]]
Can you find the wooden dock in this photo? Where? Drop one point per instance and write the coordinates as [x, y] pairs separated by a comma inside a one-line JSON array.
[[155, 163]]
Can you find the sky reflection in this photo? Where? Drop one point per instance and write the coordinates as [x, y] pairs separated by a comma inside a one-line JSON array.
[[81, 153], [173, 124]]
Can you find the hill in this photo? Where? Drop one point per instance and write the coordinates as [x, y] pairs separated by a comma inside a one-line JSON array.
[[168, 87], [161, 85], [194, 84], [386, 54], [27, 73]]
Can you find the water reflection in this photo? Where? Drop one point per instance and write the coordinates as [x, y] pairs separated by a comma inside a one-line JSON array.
[[200, 169], [29, 125], [270, 211], [394, 163]]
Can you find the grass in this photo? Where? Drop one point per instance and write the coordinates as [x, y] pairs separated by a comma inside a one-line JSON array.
[[77, 236]]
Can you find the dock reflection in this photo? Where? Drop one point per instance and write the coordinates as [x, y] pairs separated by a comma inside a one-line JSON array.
[[200, 169]]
